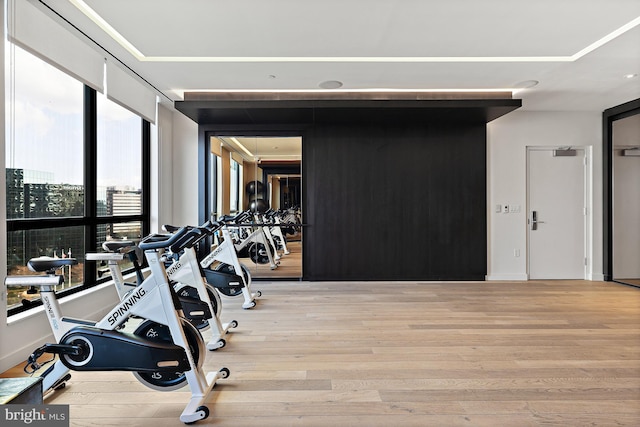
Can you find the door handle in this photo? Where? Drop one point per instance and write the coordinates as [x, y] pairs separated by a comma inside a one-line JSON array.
[[534, 220]]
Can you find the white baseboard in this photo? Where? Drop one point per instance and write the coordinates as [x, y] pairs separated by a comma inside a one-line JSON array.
[[502, 277], [520, 277]]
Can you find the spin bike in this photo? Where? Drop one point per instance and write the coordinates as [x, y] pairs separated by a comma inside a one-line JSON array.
[[165, 352], [199, 301], [229, 277]]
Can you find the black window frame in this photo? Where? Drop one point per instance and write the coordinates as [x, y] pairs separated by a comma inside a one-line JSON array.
[[90, 220]]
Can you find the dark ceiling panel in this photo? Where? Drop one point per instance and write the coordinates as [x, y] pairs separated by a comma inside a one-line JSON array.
[[306, 112]]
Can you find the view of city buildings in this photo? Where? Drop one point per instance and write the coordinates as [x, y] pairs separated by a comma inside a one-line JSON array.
[[29, 195]]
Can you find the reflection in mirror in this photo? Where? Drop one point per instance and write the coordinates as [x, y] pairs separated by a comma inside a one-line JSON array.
[[258, 181], [626, 200]]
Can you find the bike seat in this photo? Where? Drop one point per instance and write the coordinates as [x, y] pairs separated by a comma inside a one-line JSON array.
[[45, 263], [170, 228], [117, 245]]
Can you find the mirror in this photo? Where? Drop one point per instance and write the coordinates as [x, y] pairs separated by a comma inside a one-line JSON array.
[[259, 179], [626, 200]]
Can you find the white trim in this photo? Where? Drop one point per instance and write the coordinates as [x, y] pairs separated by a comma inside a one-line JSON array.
[[511, 277]]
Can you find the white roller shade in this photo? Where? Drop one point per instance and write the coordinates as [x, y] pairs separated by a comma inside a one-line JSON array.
[[130, 93], [36, 32]]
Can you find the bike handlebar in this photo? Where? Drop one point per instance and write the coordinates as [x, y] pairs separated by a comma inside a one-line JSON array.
[[162, 241], [181, 237]]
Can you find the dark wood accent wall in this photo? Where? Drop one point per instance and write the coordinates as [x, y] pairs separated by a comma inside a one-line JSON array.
[[391, 190], [388, 202]]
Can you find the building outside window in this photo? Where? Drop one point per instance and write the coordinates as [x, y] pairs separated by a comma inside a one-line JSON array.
[[119, 173]]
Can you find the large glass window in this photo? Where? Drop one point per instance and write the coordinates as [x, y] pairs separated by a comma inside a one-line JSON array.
[[59, 242], [215, 190], [74, 169], [44, 163], [234, 184], [119, 166]]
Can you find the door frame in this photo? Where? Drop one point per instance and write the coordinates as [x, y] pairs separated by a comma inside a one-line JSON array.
[[205, 168], [588, 202], [608, 117]]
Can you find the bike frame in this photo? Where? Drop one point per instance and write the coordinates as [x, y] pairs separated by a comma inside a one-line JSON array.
[[225, 252]]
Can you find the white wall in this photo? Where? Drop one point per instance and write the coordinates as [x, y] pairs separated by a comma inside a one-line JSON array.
[[162, 170], [507, 139], [184, 163]]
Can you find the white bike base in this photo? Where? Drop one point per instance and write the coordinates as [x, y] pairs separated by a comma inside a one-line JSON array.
[[216, 342], [195, 409]]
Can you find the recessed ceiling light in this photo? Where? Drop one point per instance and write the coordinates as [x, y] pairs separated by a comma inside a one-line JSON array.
[[630, 76], [330, 84]]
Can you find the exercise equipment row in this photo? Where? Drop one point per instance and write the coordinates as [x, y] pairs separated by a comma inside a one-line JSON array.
[[171, 305]]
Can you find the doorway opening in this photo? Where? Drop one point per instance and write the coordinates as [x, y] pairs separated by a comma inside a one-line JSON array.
[[626, 200], [258, 179]]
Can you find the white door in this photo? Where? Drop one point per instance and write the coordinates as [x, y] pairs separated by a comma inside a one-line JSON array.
[[556, 213]]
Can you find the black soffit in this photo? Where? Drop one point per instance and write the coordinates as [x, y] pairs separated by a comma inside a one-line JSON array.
[[306, 109]]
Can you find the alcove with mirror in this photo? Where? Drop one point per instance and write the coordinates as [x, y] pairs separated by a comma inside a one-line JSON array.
[[259, 178]]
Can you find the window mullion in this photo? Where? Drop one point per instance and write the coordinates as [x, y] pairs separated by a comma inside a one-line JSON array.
[[90, 179], [146, 177]]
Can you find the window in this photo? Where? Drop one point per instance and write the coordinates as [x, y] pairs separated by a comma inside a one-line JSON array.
[[75, 172], [215, 186], [234, 183], [118, 175], [119, 166]]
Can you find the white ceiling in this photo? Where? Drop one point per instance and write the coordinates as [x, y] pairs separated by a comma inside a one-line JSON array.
[[578, 50]]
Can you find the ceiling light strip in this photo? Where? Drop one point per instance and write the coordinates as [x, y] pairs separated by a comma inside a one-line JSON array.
[[364, 90], [242, 147], [112, 32], [356, 59], [606, 39]]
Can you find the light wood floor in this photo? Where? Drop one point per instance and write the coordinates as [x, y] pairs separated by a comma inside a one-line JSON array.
[[556, 353]]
